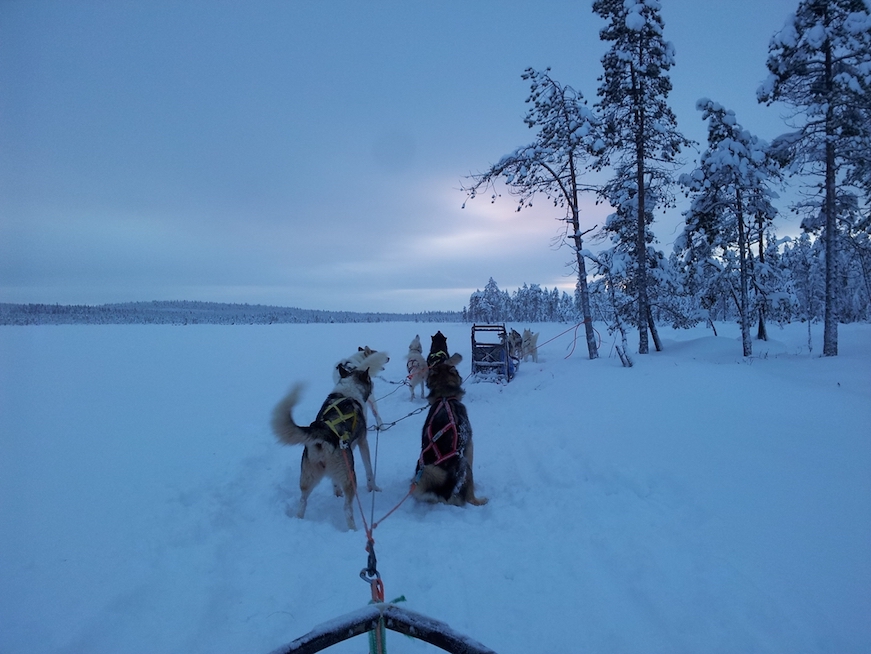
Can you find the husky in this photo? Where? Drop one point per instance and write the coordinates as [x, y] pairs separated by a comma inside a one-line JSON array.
[[438, 350], [444, 468], [329, 440], [416, 366], [374, 361], [515, 345], [530, 345]]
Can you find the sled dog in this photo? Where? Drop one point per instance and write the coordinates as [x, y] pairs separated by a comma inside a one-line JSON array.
[[438, 350], [515, 345], [444, 468], [416, 366], [374, 361], [329, 440], [530, 345]]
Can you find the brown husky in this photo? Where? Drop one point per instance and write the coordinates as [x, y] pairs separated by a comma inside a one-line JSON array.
[[329, 440], [444, 469]]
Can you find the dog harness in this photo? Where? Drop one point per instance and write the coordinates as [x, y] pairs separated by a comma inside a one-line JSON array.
[[413, 366], [340, 415], [452, 444], [435, 358]]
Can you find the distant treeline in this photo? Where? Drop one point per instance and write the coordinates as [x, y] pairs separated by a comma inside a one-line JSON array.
[[197, 313]]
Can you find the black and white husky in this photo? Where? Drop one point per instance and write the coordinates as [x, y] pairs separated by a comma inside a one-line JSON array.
[[329, 440], [444, 468], [374, 361]]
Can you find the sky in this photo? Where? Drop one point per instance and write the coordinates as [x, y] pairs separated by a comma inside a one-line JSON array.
[[310, 154]]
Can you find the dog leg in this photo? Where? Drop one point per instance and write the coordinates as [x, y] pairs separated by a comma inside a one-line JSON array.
[[310, 474], [363, 444], [374, 407], [345, 477], [468, 491], [349, 510], [349, 515]]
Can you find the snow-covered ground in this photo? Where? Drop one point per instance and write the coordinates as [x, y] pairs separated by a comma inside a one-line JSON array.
[[698, 502]]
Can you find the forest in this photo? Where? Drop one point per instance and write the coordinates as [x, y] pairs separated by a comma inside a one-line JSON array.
[[728, 262]]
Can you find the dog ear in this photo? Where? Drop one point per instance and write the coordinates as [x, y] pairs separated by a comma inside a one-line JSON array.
[[343, 371]]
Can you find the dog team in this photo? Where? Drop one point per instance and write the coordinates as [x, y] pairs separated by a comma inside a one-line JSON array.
[[444, 468]]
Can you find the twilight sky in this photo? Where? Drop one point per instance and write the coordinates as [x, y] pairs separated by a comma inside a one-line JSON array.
[[309, 153]]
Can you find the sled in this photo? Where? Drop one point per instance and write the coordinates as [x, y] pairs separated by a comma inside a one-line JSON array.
[[394, 618], [490, 356]]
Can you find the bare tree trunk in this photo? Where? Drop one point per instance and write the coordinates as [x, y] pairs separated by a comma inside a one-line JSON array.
[[622, 349], [761, 332], [711, 323], [640, 235], [742, 279], [830, 330], [590, 333], [592, 348], [652, 325]]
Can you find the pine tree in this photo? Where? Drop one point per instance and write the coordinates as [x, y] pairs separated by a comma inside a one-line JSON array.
[[730, 191], [552, 165], [820, 65], [640, 129], [489, 305]]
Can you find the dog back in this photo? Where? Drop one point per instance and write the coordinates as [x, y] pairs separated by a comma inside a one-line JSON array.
[[446, 433], [343, 420]]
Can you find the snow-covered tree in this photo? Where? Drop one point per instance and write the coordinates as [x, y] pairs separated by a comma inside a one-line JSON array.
[[609, 266], [489, 305], [730, 192], [639, 129], [820, 65], [552, 165]]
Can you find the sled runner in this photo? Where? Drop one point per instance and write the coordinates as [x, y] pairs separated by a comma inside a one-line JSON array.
[[490, 356]]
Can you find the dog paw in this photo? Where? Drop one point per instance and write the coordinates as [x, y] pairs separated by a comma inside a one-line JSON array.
[[373, 487]]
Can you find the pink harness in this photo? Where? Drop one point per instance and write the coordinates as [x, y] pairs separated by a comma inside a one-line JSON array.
[[444, 404]]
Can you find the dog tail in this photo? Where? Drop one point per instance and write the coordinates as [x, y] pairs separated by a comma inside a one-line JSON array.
[[285, 429]]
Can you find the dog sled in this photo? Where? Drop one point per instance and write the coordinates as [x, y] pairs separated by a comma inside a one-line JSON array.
[[373, 619], [491, 355]]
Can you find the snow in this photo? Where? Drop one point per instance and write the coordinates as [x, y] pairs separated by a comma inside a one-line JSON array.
[[634, 20], [816, 36], [697, 502], [788, 36]]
